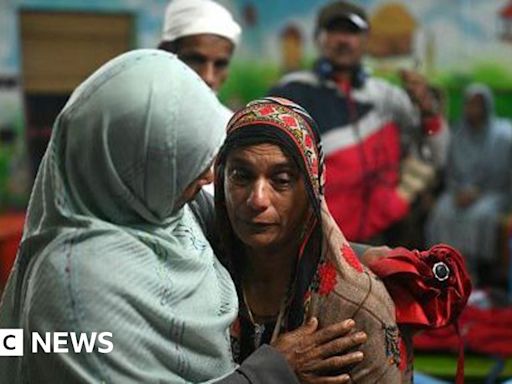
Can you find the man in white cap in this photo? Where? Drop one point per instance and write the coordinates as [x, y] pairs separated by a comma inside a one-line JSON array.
[[203, 34]]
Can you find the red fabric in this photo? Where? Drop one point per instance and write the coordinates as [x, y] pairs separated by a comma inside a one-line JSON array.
[[11, 230], [362, 195], [441, 339], [422, 301], [486, 331], [432, 125], [506, 12], [344, 85], [328, 278], [348, 253]]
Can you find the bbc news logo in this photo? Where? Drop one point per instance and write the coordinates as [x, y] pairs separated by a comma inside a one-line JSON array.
[[11, 342]]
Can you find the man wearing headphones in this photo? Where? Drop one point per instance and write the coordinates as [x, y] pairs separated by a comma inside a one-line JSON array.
[[368, 127]]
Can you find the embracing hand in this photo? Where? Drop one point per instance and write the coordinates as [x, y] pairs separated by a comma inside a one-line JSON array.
[[315, 354]]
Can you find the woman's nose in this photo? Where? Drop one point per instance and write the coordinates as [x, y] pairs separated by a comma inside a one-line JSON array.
[[259, 199]]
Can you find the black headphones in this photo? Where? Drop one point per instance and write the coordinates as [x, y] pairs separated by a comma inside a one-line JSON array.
[[325, 69]]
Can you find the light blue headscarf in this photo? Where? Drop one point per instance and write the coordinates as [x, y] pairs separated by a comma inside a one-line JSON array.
[[104, 249]]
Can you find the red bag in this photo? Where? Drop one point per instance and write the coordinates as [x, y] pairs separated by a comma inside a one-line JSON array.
[[430, 288]]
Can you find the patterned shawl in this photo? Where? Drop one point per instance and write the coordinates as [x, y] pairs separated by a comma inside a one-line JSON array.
[[328, 281]]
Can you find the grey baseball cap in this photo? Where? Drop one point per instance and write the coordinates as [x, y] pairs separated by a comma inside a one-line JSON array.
[[342, 10]]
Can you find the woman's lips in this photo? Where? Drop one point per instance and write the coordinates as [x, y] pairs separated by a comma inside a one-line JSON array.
[[257, 224]]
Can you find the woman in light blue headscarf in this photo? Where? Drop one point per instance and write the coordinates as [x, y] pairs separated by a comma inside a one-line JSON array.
[[111, 245], [106, 202], [478, 182]]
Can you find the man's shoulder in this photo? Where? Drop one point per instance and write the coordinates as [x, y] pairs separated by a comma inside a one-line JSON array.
[[306, 78], [300, 87], [382, 92], [377, 84]]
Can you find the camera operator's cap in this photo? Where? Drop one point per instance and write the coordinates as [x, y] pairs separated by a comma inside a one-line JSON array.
[[194, 17], [342, 10]]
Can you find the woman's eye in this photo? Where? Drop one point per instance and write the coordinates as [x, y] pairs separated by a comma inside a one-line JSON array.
[[283, 179], [239, 175]]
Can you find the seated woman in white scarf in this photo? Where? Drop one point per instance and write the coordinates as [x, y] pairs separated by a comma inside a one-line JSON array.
[[111, 245]]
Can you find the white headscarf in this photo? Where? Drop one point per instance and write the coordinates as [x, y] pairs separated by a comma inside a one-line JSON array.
[[104, 249], [194, 17]]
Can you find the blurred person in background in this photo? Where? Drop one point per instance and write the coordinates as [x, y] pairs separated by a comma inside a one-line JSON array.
[[203, 34], [368, 127], [478, 184]]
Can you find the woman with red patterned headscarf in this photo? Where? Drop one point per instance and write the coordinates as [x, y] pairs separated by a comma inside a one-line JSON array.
[[287, 256]]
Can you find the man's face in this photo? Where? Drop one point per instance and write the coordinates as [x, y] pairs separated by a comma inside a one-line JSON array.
[[475, 111], [208, 55], [342, 43]]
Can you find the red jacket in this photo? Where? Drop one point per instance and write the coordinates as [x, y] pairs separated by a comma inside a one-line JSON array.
[[365, 132]]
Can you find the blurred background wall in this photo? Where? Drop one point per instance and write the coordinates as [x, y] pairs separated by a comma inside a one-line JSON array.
[[47, 47]]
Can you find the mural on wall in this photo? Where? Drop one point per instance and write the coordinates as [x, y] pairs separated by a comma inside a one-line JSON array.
[[15, 172], [506, 21], [392, 33], [13, 169], [14, 175], [452, 42]]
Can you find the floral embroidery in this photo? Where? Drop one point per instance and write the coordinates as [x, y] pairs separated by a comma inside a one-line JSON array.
[[392, 340], [325, 279], [327, 273], [309, 142], [290, 121], [351, 257], [267, 110]]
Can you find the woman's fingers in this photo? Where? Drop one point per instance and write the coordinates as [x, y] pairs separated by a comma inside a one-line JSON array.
[[315, 355], [299, 339], [333, 363], [331, 332], [307, 329], [341, 344], [313, 379], [295, 344]]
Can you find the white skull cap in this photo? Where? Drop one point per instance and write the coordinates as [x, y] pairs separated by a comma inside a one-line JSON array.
[[195, 17]]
